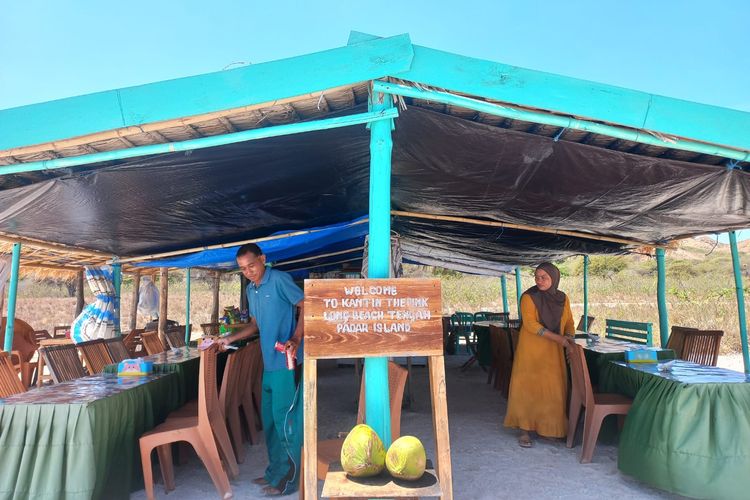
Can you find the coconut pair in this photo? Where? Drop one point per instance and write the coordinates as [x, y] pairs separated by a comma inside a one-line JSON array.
[[363, 455]]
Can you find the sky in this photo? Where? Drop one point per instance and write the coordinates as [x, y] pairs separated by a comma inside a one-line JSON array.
[[688, 49]]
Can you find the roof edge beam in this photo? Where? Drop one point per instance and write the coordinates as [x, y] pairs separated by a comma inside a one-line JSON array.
[[203, 142], [565, 122]]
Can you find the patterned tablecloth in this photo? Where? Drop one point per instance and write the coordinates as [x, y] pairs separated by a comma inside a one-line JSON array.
[[79, 439]]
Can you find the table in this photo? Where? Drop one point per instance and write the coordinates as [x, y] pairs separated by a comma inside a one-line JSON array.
[[483, 353], [79, 439], [688, 430], [605, 350], [184, 361]]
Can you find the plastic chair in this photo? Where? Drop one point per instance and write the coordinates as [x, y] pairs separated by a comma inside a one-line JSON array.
[[463, 324], [40, 335], [175, 337], [329, 450], [250, 392], [597, 405], [702, 346], [588, 325], [630, 331], [95, 355], [498, 317], [10, 383], [152, 343], [63, 362], [134, 343], [676, 340], [231, 450], [40, 376], [116, 349], [198, 431], [504, 358], [210, 328], [61, 332]]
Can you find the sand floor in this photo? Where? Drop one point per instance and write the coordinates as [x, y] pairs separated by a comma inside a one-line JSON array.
[[487, 462]]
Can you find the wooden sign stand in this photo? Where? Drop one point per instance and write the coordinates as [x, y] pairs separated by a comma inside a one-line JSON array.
[[375, 318]]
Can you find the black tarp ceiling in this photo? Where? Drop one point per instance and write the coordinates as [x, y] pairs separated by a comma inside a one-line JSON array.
[[441, 165]]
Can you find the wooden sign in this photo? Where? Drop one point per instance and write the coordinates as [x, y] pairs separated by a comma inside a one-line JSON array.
[[373, 317]]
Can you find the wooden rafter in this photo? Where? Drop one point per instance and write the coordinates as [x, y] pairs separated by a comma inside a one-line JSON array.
[[149, 128]]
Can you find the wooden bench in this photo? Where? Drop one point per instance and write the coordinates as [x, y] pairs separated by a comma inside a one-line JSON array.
[[630, 331]]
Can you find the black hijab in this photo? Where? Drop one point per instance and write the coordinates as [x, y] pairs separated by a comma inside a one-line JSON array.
[[550, 303]]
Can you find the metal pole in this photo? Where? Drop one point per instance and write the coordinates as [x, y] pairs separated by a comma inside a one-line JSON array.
[[187, 305], [79, 292], [518, 290], [136, 297], [163, 302], [504, 287], [661, 296], [215, 280], [740, 299], [585, 293], [12, 292], [243, 295], [377, 404], [117, 281]]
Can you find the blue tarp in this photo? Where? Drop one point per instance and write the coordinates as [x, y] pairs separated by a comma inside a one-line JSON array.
[[314, 241]]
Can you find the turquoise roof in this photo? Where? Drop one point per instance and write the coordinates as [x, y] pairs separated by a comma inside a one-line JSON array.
[[367, 58]]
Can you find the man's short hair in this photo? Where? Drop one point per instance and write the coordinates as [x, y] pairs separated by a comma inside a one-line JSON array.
[[249, 248]]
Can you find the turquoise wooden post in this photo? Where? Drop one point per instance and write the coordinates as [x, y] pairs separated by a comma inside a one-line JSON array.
[[12, 291], [378, 414], [504, 287], [518, 290], [661, 295], [585, 293], [117, 282], [187, 305], [740, 299]]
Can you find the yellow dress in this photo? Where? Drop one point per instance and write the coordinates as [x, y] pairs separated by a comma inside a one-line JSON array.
[[539, 380]]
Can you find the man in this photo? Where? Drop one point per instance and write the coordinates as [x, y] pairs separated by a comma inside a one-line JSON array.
[[273, 299]]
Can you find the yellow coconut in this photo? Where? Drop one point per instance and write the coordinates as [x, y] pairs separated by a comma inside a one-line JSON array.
[[406, 458], [363, 453]]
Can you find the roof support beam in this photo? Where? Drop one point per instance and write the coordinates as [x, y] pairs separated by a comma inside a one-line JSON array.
[[523, 227], [204, 142], [628, 134]]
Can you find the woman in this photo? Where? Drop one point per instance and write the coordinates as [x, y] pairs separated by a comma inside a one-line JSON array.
[[539, 381]]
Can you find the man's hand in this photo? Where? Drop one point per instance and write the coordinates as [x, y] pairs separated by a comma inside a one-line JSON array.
[[223, 342], [292, 345]]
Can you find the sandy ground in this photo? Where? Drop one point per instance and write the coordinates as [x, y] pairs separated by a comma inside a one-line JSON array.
[[487, 462]]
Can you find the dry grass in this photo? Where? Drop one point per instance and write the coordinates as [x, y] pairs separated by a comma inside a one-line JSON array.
[[705, 300]]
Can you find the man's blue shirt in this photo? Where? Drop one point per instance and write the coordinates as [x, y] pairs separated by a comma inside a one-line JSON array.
[[273, 305]]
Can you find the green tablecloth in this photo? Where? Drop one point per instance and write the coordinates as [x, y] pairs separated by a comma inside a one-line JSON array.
[[688, 430], [484, 349], [79, 439], [605, 350], [185, 362]]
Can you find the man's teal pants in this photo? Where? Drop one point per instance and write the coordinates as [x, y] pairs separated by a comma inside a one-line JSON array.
[[282, 414]]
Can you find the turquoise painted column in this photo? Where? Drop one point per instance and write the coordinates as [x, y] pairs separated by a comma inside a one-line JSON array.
[[378, 413], [585, 293], [187, 305], [117, 282], [740, 298], [661, 296], [518, 290], [504, 287], [12, 292]]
